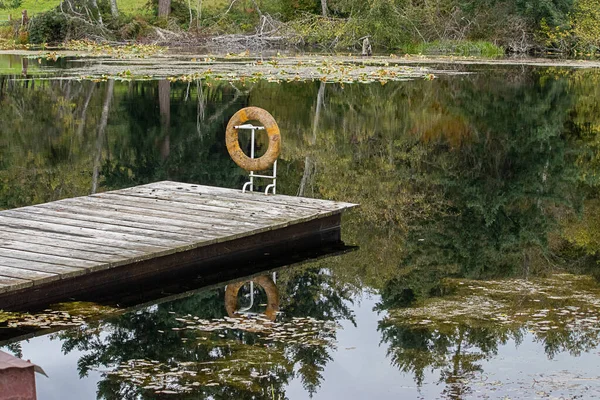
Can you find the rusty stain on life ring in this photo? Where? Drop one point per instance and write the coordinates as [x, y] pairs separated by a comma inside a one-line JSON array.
[[233, 144], [231, 303]]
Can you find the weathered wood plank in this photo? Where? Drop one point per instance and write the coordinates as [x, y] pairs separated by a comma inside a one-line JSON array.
[[212, 213], [81, 232], [34, 214], [114, 218], [69, 252], [170, 211], [224, 203], [242, 202], [221, 208], [146, 226], [192, 226], [261, 223], [258, 197], [8, 283], [36, 264], [37, 277], [25, 253], [60, 239]]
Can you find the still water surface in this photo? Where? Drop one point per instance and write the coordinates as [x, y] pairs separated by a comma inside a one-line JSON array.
[[477, 237]]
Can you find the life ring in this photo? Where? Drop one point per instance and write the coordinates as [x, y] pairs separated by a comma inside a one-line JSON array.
[[231, 303], [233, 144]]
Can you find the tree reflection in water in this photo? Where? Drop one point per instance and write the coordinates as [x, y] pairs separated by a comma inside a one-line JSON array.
[[195, 346]]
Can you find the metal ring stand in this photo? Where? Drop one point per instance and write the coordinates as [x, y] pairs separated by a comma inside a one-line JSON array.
[[272, 186]]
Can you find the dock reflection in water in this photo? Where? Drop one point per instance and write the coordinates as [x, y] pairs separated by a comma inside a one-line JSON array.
[[197, 341]]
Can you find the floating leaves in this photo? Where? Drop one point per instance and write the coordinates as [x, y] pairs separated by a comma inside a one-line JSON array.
[[293, 70], [244, 365], [9, 44], [300, 331], [235, 68], [122, 51], [563, 302], [47, 320], [61, 316], [188, 376]]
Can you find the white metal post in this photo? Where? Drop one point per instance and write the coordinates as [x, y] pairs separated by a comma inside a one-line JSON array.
[[272, 186]]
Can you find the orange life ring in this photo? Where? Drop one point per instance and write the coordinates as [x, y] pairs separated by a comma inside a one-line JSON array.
[[231, 303], [233, 144]]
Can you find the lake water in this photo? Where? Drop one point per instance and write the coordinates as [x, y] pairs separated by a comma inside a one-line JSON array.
[[473, 260]]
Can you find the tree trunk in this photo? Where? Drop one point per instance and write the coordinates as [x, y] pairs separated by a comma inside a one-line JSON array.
[[191, 14], [101, 133], [201, 108], [96, 9], [164, 105], [164, 8], [320, 102], [85, 108], [113, 9], [366, 47], [198, 13], [309, 164], [324, 7], [24, 66]]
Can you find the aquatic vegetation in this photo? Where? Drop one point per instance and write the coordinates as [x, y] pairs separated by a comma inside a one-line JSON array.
[[6, 316], [59, 316], [301, 331], [104, 61], [456, 47], [333, 70], [122, 51], [183, 377], [247, 365], [9, 44], [457, 332], [560, 303]]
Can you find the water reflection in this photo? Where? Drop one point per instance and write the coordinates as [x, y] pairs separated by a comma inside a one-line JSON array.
[[455, 332], [266, 283], [192, 346], [486, 176]]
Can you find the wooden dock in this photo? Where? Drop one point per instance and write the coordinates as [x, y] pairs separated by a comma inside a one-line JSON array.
[[53, 251]]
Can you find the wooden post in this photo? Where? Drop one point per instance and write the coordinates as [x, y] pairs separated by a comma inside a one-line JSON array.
[[17, 378], [366, 47], [24, 66], [24, 18]]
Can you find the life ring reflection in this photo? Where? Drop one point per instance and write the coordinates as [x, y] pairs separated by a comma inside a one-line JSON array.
[[267, 283]]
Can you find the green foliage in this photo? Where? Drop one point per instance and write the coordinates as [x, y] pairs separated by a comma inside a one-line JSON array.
[[427, 26], [33, 7], [137, 28], [4, 4], [462, 48], [56, 26], [555, 12], [292, 9], [49, 27], [9, 30], [313, 30], [586, 21], [556, 37]]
